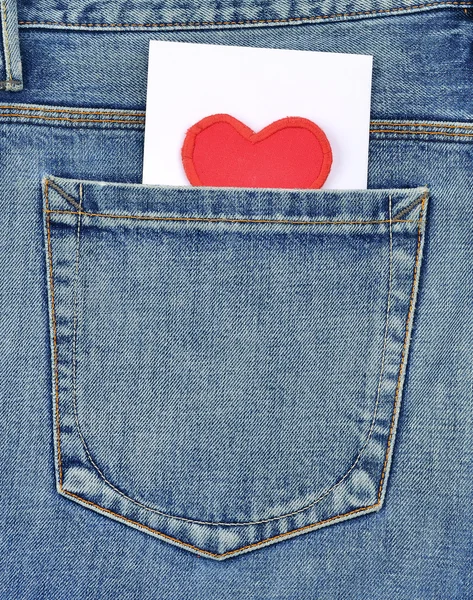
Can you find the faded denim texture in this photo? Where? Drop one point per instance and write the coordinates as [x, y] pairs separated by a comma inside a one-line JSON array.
[[227, 382], [262, 338]]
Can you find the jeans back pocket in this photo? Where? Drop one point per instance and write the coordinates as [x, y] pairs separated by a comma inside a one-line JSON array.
[[228, 363]]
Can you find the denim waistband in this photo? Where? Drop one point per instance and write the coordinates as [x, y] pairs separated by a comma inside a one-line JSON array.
[[123, 15], [208, 13]]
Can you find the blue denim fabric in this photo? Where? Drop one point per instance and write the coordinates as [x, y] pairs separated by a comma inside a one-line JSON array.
[[236, 321], [281, 380], [11, 78]]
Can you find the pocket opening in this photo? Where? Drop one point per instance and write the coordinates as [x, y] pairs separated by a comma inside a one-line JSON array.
[[404, 233]]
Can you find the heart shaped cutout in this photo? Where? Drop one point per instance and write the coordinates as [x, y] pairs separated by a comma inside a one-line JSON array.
[[292, 153]]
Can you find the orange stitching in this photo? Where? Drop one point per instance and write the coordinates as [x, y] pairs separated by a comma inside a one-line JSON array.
[[121, 517], [403, 354], [53, 320], [70, 199], [410, 124], [421, 132], [225, 220], [139, 120], [238, 550], [251, 21], [300, 529], [72, 120], [140, 114], [226, 523], [163, 535], [411, 206]]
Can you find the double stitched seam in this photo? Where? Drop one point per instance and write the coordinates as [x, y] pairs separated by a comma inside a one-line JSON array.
[[164, 536], [54, 332], [383, 358], [6, 41], [411, 206], [404, 350], [252, 21], [393, 419], [139, 119], [148, 508], [142, 122], [74, 331], [404, 124], [213, 554], [76, 111], [73, 120], [81, 211], [439, 133], [228, 220]]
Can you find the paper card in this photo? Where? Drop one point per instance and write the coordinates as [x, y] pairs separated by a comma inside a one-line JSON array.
[[257, 86]]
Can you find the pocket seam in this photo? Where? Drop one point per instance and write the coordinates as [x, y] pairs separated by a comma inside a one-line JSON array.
[[321, 496], [228, 220], [371, 507], [71, 200], [317, 525], [404, 348]]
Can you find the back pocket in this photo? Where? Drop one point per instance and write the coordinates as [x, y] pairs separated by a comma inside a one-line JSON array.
[[228, 363]]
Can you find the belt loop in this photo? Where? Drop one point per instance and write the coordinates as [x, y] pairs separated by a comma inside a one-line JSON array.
[[11, 79]]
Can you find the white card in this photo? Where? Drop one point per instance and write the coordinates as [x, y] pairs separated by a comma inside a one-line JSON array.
[[257, 86]]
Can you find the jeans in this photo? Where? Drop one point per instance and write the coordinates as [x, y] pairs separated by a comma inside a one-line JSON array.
[[233, 393]]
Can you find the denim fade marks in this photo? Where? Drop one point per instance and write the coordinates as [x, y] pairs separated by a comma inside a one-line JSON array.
[[231, 500], [169, 14], [11, 78]]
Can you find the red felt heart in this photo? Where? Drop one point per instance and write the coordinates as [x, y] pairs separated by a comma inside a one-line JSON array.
[[290, 153]]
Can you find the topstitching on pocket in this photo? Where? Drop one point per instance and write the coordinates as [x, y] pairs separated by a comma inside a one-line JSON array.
[[228, 364]]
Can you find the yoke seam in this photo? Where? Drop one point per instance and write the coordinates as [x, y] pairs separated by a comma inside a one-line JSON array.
[[439, 133], [137, 116], [137, 120], [253, 21], [73, 119], [415, 124], [37, 108]]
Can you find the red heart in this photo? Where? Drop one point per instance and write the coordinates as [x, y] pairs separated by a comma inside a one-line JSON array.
[[290, 153]]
